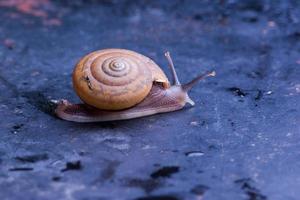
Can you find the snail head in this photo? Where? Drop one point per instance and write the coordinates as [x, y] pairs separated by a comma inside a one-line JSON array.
[[176, 85]]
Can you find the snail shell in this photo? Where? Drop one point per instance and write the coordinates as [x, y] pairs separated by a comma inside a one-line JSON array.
[[116, 79]]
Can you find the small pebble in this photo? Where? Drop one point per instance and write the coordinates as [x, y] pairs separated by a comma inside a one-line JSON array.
[[9, 43], [194, 123], [269, 92], [194, 153], [271, 24]]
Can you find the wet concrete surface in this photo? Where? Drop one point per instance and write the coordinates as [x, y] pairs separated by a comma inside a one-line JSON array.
[[240, 141]]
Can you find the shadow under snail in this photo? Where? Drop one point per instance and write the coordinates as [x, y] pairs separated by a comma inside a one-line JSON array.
[[119, 84]]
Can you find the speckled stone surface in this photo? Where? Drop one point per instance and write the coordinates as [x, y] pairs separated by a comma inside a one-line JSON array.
[[240, 141]]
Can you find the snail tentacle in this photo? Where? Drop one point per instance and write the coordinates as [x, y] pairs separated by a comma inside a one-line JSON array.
[[186, 87], [171, 66]]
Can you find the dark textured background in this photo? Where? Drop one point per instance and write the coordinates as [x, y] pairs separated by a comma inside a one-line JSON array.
[[240, 141]]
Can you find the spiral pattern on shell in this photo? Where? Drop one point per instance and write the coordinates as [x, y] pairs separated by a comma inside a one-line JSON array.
[[113, 79]]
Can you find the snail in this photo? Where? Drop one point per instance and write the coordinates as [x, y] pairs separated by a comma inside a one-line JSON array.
[[119, 84]]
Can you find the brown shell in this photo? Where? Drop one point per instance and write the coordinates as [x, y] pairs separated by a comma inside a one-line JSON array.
[[115, 79]]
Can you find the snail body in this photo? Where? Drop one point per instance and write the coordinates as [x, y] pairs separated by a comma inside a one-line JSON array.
[[119, 84]]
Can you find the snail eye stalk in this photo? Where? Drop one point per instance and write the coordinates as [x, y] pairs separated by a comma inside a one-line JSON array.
[[171, 65], [186, 87]]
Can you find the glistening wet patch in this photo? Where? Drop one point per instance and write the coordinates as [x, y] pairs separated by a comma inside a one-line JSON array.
[[148, 185], [237, 91], [199, 189], [252, 192], [72, 166], [165, 172], [40, 101], [32, 158], [21, 169]]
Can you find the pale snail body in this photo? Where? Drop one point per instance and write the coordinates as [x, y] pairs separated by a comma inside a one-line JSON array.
[[118, 84]]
